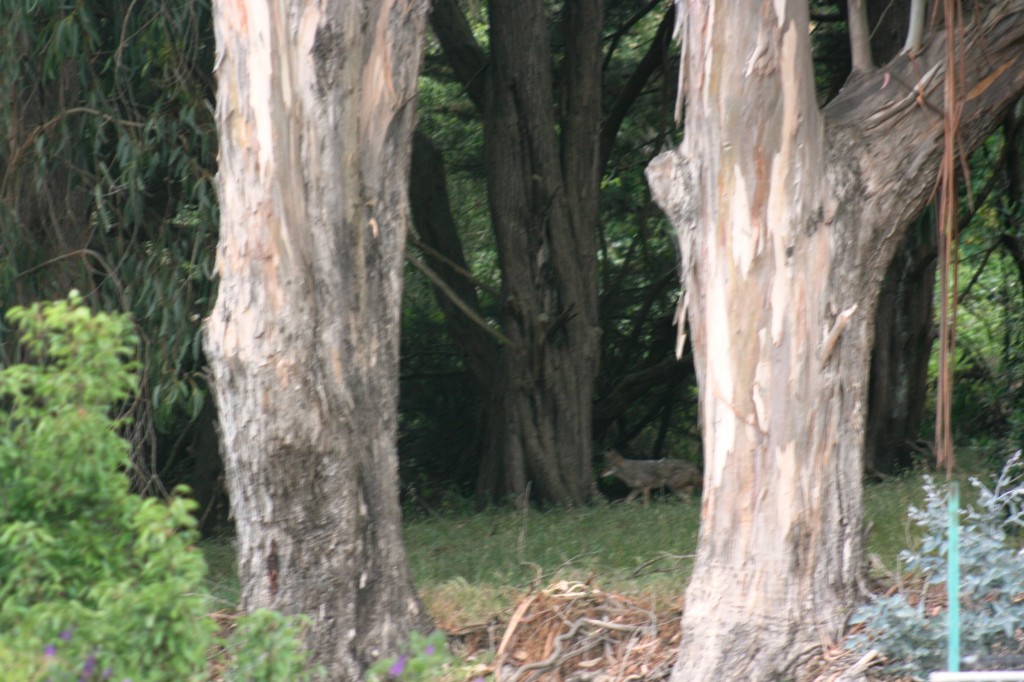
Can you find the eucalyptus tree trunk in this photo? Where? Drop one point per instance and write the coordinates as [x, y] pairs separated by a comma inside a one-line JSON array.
[[315, 109], [787, 218], [904, 321]]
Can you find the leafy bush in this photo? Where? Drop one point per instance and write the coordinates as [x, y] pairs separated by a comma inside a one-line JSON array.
[[912, 634], [426, 659], [265, 648], [97, 583]]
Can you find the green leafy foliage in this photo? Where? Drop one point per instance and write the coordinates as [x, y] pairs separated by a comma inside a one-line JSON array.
[[95, 581], [426, 659], [96, 578], [907, 628], [108, 152], [264, 648]]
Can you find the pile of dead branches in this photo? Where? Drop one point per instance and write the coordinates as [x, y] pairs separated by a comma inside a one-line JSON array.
[[574, 632]]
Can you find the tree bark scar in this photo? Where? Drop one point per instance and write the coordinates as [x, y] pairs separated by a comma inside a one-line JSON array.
[[273, 567]]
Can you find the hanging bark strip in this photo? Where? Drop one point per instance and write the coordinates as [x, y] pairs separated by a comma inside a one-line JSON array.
[[947, 226]]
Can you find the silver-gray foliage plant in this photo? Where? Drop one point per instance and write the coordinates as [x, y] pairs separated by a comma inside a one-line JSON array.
[[912, 638]]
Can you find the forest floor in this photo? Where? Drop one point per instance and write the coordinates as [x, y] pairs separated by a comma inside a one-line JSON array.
[[575, 632], [591, 594], [597, 594]]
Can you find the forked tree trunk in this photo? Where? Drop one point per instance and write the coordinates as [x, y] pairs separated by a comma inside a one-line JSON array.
[[787, 219], [542, 190], [315, 109], [542, 154]]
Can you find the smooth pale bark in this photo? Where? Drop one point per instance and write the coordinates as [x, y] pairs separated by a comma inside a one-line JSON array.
[[315, 109], [787, 219]]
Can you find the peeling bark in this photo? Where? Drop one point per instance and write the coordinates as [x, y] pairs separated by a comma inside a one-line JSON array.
[[787, 218], [315, 113]]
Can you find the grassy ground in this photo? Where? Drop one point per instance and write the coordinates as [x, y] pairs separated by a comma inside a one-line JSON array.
[[222, 577], [472, 568], [468, 569]]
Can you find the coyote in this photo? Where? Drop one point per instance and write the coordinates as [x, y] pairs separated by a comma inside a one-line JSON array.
[[641, 475]]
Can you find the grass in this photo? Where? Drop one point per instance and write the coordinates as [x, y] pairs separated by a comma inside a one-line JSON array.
[[473, 568], [885, 504], [478, 566], [222, 576]]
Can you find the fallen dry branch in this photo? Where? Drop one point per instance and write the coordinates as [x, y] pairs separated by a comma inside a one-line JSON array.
[[572, 631]]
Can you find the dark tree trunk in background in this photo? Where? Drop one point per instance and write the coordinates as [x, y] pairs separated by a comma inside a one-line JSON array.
[[541, 150], [543, 197], [899, 359], [435, 225], [315, 110]]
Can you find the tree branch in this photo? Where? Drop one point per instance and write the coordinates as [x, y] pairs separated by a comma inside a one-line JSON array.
[[456, 295], [635, 86], [860, 39], [455, 299], [464, 54], [613, 404], [613, 40], [895, 112]]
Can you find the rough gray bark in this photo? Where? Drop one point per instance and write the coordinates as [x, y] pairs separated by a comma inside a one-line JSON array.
[[787, 218], [315, 110], [543, 197]]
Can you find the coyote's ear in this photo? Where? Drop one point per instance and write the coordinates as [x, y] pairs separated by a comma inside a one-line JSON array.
[[610, 456]]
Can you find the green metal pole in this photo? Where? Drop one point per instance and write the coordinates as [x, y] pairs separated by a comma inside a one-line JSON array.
[[953, 579]]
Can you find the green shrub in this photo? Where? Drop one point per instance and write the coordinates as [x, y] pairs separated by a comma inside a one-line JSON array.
[[426, 659], [912, 636], [97, 583], [265, 648]]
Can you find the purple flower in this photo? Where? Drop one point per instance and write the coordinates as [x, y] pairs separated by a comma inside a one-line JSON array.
[[429, 651], [50, 651], [107, 672], [398, 666], [66, 634], [88, 668]]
